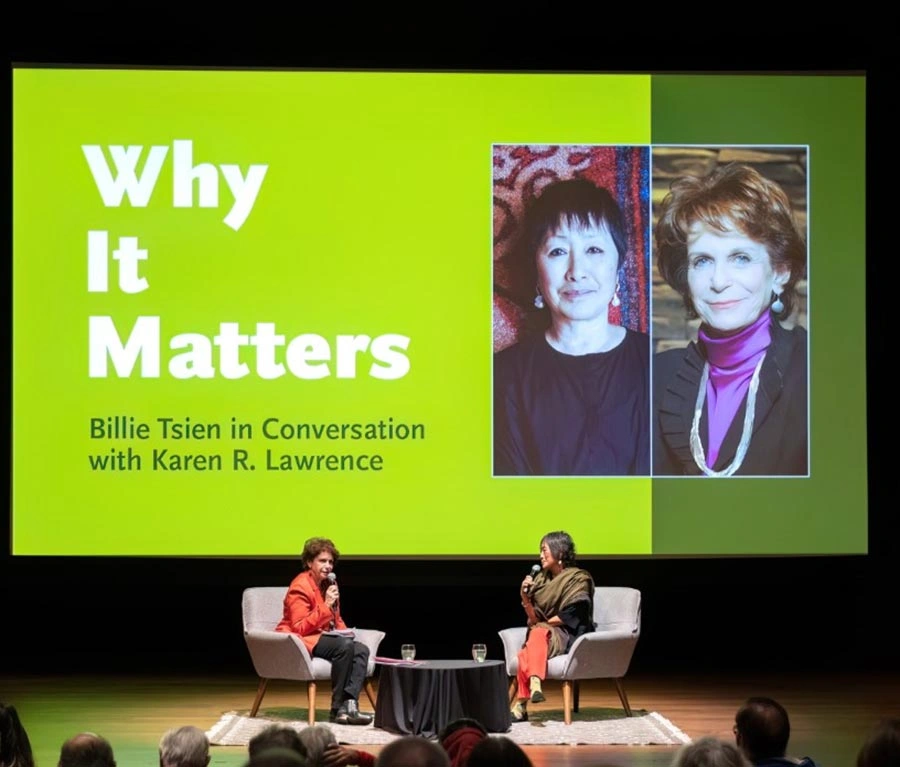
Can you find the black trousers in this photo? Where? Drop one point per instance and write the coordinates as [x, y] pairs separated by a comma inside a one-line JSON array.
[[348, 667]]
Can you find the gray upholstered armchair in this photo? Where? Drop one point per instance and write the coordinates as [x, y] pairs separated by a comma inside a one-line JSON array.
[[278, 655], [602, 654]]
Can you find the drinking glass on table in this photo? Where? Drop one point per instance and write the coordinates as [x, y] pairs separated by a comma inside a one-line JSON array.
[[479, 652], [408, 651]]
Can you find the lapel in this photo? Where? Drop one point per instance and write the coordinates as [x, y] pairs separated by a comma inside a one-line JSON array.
[[676, 409]]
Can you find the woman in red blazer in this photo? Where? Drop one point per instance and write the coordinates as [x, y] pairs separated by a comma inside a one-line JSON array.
[[311, 608]]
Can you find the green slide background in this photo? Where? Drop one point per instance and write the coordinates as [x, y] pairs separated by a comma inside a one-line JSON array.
[[374, 217], [826, 513]]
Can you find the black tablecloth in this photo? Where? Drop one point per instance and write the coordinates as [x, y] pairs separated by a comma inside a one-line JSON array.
[[424, 698]]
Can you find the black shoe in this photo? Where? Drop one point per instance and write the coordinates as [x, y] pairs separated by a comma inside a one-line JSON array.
[[340, 716], [355, 716], [519, 713]]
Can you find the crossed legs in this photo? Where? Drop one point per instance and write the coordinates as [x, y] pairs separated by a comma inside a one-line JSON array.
[[532, 669], [348, 674]]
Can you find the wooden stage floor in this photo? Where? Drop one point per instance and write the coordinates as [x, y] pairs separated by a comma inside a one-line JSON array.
[[830, 714]]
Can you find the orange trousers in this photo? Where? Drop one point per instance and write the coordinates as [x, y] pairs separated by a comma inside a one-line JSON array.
[[533, 659]]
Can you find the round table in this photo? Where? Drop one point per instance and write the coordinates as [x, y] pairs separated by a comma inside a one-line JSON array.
[[423, 698]]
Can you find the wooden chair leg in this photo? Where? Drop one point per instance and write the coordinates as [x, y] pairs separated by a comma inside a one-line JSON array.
[[567, 701], [513, 684], [577, 696], [260, 691], [620, 688], [370, 692], [311, 699]]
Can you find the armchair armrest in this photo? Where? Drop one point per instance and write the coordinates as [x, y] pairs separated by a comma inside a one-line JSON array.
[[513, 639], [600, 655], [371, 638]]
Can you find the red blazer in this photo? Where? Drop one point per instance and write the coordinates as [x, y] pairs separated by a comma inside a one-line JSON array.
[[305, 611]]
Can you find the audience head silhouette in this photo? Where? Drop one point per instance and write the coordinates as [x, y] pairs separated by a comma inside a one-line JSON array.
[[86, 749], [498, 752], [276, 757], [184, 747], [459, 738], [882, 747], [710, 752], [313, 742], [762, 729], [15, 748], [412, 751], [275, 736]]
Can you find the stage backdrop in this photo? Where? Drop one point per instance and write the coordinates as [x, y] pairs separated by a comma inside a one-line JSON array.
[[254, 306]]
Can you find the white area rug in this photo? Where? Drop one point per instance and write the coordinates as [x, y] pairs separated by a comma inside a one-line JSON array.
[[592, 726]]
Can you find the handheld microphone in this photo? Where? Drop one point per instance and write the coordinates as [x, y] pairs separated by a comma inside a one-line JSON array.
[[332, 581], [535, 569]]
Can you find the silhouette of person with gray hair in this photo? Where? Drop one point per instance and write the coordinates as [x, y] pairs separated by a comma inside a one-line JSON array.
[[710, 752], [184, 747], [314, 740], [319, 746]]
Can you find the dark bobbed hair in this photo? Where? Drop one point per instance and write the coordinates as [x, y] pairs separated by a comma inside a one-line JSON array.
[[577, 202], [882, 747], [498, 751], [561, 546], [315, 546], [764, 728], [15, 747], [735, 195]]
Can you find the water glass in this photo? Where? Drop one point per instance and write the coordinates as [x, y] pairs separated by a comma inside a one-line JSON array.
[[408, 652], [479, 652]]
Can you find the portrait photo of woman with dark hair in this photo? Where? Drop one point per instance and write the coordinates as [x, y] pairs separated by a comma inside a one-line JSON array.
[[733, 401], [571, 393]]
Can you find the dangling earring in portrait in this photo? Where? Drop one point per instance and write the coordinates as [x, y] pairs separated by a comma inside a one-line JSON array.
[[616, 301], [538, 301], [777, 305]]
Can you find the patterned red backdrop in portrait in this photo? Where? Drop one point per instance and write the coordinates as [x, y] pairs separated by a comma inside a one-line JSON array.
[[520, 173]]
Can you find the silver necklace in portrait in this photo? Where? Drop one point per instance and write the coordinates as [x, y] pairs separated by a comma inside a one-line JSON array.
[[749, 414]]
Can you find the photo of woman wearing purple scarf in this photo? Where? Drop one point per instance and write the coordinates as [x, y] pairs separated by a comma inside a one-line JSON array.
[[735, 401]]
